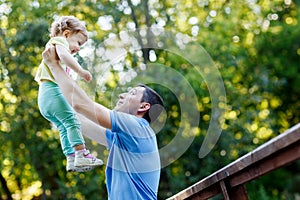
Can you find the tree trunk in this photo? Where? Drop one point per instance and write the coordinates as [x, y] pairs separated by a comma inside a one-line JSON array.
[[134, 18], [5, 188]]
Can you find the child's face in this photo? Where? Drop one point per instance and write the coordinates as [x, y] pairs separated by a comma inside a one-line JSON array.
[[76, 40]]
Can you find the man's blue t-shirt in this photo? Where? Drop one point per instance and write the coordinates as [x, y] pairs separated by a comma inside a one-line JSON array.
[[133, 167]]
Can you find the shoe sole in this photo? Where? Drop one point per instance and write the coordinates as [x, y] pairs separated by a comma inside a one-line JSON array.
[[82, 164], [85, 169]]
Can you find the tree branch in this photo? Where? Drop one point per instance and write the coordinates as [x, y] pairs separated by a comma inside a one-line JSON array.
[[134, 18]]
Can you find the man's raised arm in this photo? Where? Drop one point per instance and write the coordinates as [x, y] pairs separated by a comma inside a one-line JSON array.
[[74, 94]]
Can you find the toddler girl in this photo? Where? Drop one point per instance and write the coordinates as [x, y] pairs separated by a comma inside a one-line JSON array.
[[67, 34]]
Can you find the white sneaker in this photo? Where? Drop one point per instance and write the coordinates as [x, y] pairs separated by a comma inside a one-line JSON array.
[[71, 167], [84, 158]]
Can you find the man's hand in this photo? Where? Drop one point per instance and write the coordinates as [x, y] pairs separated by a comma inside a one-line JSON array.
[[50, 57]]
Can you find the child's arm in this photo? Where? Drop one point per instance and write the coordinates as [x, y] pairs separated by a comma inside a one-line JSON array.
[[71, 62], [76, 96]]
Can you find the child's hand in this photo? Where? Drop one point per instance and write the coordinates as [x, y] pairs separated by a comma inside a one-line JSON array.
[[86, 75]]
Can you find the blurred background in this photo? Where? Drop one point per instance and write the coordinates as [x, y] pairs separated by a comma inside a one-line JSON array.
[[255, 45]]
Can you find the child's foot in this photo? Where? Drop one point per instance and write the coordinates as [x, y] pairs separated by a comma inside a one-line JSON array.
[[84, 158], [71, 167]]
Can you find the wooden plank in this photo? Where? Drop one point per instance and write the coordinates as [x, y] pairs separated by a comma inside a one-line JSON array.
[[271, 163], [206, 193], [209, 189], [237, 172], [267, 165]]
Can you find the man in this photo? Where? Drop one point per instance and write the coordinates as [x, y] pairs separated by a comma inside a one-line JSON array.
[[133, 166]]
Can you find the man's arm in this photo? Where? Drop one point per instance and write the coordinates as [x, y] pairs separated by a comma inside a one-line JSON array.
[[92, 130], [74, 94]]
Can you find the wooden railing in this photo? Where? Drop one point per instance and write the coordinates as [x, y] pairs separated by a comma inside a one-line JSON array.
[[230, 180]]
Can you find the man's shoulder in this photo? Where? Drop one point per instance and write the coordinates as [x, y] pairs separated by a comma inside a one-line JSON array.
[[128, 117], [129, 123]]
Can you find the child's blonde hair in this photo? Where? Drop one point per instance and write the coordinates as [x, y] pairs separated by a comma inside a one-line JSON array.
[[70, 23]]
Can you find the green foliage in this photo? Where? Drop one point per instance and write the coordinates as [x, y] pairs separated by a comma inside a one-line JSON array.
[[285, 186], [254, 44]]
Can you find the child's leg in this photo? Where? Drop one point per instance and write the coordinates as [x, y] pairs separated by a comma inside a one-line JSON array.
[[65, 144], [48, 99], [68, 118], [83, 158], [56, 109]]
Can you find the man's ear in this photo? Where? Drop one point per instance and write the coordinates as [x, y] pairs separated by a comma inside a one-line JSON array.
[[66, 33], [144, 107]]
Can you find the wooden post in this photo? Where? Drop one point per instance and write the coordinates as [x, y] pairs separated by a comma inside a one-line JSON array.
[[224, 190], [238, 193]]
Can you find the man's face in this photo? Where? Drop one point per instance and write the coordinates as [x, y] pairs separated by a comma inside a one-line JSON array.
[[130, 102]]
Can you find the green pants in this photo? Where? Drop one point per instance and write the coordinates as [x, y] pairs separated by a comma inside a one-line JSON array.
[[55, 108]]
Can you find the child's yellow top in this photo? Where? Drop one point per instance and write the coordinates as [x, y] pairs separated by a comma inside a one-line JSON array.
[[43, 71]]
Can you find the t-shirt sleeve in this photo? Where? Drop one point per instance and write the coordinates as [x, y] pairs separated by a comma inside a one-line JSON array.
[[60, 41]]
